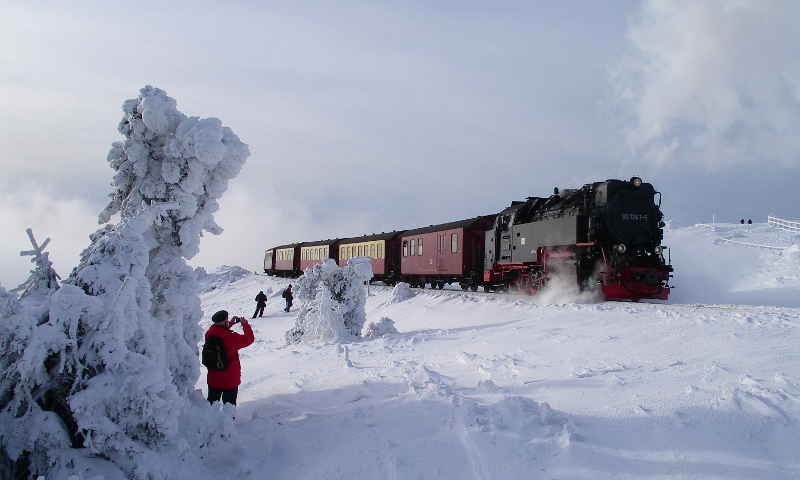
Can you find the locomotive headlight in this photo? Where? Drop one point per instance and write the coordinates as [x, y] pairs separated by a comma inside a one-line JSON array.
[[658, 249], [620, 248], [636, 181]]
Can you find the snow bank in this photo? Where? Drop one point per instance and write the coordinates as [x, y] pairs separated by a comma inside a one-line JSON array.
[[708, 270], [401, 292]]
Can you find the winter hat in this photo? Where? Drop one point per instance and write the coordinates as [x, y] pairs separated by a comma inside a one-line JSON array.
[[220, 317]]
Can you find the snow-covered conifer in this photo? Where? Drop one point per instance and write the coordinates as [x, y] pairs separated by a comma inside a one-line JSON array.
[[31, 367], [115, 355], [43, 279], [334, 300], [384, 326]]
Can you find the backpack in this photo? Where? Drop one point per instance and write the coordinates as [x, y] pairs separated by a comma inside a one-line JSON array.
[[214, 357], [285, 294]]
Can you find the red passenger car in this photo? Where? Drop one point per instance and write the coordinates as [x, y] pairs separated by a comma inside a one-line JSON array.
[[383, 250], [445, 253]]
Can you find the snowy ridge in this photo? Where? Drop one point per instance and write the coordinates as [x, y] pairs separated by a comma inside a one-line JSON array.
[[223, 275]]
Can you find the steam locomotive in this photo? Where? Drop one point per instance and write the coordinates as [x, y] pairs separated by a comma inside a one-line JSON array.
[[604, 235]]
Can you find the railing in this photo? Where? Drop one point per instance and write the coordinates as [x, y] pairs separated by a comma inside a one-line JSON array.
[[782, 224], [748, 244]]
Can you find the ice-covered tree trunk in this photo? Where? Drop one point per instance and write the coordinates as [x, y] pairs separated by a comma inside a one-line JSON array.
[[334, 300], [113, 358]]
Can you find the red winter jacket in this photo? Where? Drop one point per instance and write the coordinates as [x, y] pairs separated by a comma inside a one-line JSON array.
[[232, 376]]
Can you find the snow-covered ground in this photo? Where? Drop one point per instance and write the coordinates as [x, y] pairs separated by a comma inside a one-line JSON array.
[[481, 386]]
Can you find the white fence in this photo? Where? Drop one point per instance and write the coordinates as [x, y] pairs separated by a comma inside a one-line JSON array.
[[748, 244], [782, 224]]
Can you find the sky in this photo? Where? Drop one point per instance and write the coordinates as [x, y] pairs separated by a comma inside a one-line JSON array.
[[372, 116]]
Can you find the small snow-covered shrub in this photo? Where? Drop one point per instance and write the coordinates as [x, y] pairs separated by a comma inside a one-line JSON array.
[[384, 326], [334, 300], [401, 292]]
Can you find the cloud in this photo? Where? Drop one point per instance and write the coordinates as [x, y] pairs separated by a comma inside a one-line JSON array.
[[257, 219], [716, 82]]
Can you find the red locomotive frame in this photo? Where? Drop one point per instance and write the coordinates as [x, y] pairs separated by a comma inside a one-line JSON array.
[[616, 282]]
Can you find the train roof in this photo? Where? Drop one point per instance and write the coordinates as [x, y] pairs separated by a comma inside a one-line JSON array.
[[371, 237], [288, 245], [318, 243], [483, 222]]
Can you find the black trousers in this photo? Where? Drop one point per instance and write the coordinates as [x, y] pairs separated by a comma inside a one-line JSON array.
[[259, 310], [288, 304], [227, 396]]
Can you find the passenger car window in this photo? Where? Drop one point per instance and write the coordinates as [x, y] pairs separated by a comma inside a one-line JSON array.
[[405, 248], [419, 248], [454, 243]]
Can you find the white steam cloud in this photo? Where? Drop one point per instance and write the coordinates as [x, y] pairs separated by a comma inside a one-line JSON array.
[[716, 81]]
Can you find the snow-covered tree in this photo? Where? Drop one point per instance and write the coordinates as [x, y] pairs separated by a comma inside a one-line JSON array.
[[43, 279], [334, 300], [401, 292], [384, 326], [113, 359], [31, 393]]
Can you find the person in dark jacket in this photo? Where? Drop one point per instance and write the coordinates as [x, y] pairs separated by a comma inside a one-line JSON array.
[[261, 302], [287, 294], [224, 384]]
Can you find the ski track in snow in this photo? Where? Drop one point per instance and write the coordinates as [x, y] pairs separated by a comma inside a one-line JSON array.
[[496, 386]]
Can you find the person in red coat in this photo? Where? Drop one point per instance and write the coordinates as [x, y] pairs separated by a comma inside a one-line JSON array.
[[224, 384]]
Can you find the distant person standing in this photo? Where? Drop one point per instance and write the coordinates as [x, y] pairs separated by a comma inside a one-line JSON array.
[[287, 294], [749, 221], [221, 356], [261, 302], [741, 221]]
